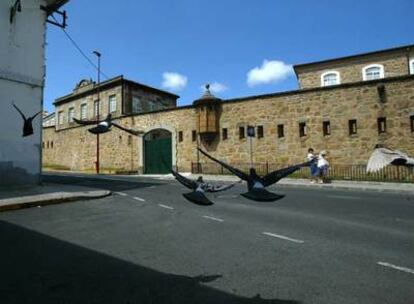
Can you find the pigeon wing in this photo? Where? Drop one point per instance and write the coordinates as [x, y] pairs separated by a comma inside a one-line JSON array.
[[275, 176], [220, 188], [381, 158], [130, 131], [235, 171], [185, 181], [86, 122], [34, 116], [20, 112]]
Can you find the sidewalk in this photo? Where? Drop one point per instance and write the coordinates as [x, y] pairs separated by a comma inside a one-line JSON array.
[[406, 188], [46, 194]]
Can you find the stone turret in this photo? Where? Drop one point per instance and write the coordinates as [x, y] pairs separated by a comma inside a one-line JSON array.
[[208, 108]]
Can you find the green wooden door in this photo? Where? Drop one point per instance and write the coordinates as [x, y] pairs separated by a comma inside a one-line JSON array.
[[158, 158]]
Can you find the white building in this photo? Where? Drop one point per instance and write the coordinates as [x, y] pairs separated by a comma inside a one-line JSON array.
[[22, 73]]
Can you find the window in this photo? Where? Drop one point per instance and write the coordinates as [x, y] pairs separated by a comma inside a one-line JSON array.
[[382, 125], [259, 131], [83, 111], [326, 128], [373, 71], [97, 108], [302, 129], [280, 131], [48, 144], [412, 66], [352, 126], [224, 133], [112, 103], [241, 133], [51, 144], [136, 104], [330, 78], [129, 140], [152, 106], [60, 118], [71, 114], [180, 136], [194, 135], [412, 123]]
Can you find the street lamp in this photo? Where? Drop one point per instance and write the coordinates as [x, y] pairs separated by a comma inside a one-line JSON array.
[[97, 109]]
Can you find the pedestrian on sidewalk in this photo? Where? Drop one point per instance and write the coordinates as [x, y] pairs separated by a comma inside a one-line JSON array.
[[323, 166], [314, 166]]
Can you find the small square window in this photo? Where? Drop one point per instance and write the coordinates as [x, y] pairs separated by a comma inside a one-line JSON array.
[[382, 125], [280, 131], [326, 128], [194, 135], [260, 132], [352, 126], [224, 133], [302, 129], [412, 123], [180, 136], [241, 133]]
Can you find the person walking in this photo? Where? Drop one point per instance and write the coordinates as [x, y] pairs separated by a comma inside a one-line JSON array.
[[314, 166], [323, 166]]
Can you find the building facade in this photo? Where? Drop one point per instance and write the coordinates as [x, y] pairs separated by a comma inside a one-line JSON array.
[[22, 72], [345, 106]]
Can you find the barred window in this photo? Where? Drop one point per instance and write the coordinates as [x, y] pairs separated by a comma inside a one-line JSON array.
[[382, 125], [302, 129], [224, 133], [352, 126], [260, 132], [241, 133], [326, 128], [180, 136], [280, 131], [112, 103], [194, 135], [83, 111]]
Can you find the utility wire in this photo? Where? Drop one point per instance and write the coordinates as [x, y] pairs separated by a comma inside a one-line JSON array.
[[80, 50]]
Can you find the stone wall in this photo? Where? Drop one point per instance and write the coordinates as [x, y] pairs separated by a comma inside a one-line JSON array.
[[75, 147], [350, 70]]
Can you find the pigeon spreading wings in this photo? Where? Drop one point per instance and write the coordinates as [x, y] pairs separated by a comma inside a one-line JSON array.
[[104, 126], [199, 187], [256, 184], [27, 125], [382, 157]]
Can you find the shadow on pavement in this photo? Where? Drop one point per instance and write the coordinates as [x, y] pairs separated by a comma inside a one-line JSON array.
[[96, 182], [36, 268]]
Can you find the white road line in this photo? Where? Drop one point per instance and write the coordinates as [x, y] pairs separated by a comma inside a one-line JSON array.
[[213, 218], [283, 237], [396, 267], [138, 199], [344, 197], [165, 206], [121, 193]]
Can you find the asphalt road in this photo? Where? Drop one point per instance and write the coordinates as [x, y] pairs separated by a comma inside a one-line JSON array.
[[147, 244]]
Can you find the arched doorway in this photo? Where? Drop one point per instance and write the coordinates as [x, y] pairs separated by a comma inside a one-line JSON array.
[[157, 152]]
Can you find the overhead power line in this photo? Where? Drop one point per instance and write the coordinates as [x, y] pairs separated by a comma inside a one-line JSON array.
[[80, 50]]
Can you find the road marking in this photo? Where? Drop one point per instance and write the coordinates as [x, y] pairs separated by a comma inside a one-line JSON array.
[[396, 267], [344, 197], [121, 193], [283, 237], [213, 218], [138, 199], [165, 206]]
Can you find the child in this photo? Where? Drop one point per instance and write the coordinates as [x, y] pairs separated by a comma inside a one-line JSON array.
[[313, 167], [323, 166]]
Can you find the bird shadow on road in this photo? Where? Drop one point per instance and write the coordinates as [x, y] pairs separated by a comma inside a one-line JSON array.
[[37, 268]]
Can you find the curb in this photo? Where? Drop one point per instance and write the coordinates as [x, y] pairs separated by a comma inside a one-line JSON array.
[[49, 199]]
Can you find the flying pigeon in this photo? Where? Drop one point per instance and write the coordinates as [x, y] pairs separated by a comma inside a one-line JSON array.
[[199, 187], [105, 126], [27, 126], [382, 157], [255, 184]]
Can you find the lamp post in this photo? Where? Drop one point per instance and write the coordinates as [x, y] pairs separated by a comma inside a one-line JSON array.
[[97, 109]]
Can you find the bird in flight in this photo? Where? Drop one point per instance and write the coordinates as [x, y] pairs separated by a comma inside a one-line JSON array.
[[256, 185], [28, 121], [104, 126], [199, 188], [382, 157]]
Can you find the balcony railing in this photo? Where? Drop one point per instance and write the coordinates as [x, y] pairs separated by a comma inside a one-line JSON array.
[[335, 172]]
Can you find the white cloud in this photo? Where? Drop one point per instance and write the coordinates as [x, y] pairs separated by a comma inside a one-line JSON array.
[[174, 81], [215, 87], [271, 71]]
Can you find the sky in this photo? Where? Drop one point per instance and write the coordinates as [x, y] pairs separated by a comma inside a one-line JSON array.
[[241, 48]]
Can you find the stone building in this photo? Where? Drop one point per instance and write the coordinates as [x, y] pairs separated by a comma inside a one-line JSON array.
[[343, 105]]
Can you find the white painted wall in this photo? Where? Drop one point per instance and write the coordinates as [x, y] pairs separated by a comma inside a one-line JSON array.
[[22, 72]]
